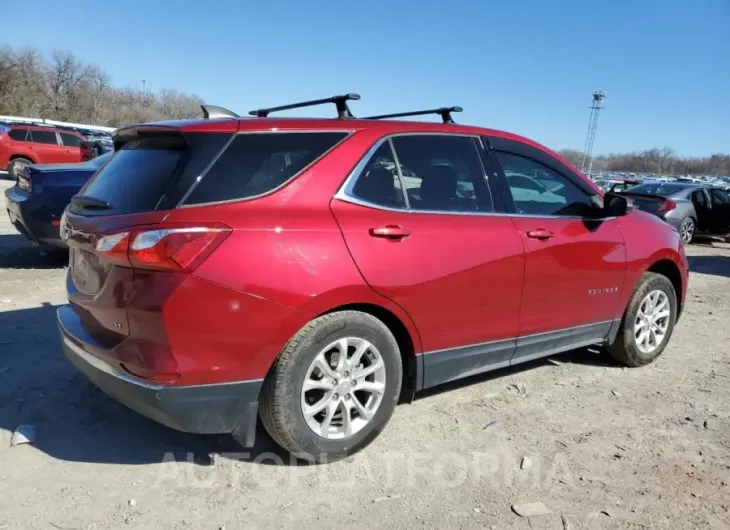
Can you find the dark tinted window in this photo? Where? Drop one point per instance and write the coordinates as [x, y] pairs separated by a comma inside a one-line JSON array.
[[18, 134], [254, 164], [43, 137], [136, 177], [378, 183], [70, 140], [699, 198], [539, 190], [442, 173], [720, 197]]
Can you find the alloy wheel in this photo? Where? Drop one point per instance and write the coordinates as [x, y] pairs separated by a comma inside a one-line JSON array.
[[687, 230], [652, 321], [343, 388]]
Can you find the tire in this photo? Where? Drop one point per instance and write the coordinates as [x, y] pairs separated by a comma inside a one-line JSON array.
[[625, 348], [687, 229], [14, 163], [282, 400]]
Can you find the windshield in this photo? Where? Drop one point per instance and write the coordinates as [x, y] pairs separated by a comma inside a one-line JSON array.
[[662, 189]]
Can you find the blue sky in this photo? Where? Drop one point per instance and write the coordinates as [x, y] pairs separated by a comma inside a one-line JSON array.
[[526, 66]]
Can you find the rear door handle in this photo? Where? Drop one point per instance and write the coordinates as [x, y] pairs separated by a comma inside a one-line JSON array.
[[541, 234], [392, 232]]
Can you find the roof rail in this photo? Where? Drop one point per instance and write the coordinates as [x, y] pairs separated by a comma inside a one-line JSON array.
[[214, 111], [444, 112], [343, 111]]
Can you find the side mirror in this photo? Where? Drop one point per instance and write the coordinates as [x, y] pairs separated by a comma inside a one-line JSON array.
[[615, 205]]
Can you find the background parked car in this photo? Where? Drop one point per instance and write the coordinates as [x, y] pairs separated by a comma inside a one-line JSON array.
[[22, 144], [690, 208], [36, 203]]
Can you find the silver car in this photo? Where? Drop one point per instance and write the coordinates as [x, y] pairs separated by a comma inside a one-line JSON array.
[[690, 208]]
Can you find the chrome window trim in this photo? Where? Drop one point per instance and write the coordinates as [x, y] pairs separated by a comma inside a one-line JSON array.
[[347, 132], [344, 193]]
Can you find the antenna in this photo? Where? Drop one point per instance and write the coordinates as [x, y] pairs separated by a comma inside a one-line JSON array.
[[214, 111], [444, 112], [343, 111], [598, 97]]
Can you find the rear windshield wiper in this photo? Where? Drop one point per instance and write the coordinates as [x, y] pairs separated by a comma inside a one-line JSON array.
[[84, 201]]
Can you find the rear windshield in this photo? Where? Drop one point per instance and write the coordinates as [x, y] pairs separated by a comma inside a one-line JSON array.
[[661, 189], [137, 176], [258, 163]]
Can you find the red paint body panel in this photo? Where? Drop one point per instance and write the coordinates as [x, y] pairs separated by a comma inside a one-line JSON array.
[[642, 252], [446, 275], [562, 273]]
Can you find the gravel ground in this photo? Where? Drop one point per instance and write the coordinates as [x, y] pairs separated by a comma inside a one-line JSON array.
[[604, 447]]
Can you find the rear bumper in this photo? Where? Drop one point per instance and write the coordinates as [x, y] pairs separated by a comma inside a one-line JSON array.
[[226, 408], [29, 215]]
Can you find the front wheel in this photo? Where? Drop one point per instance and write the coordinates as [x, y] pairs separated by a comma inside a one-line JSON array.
[[333, 388], [648, 322], [687, 230]]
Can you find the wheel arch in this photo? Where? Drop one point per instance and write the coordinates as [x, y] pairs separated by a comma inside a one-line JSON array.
[[407, 344], [16, 156], [670, 270]]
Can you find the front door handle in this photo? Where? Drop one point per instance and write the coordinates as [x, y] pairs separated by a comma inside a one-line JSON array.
[[540, 234], [392, 232]]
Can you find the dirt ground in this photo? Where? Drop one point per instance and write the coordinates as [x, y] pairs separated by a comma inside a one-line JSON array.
[[605, 447]]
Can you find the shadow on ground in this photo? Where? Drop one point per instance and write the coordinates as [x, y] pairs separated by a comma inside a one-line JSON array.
[[75, 421], [717, 265], [17, 253]]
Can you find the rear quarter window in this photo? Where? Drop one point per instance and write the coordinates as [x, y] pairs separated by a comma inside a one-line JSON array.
[[19, 135], [258, 163]]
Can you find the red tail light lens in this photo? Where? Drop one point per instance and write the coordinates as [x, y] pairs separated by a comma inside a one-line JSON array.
[[666, 206], [173, 249]]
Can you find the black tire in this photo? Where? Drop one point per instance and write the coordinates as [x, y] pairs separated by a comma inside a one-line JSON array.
[[13, 163], [624, 349], [687, 229], [280, 402]]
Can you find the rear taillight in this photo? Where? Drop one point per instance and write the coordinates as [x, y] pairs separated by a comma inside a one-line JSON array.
[[25, 183], [666, 206], [173, 249]]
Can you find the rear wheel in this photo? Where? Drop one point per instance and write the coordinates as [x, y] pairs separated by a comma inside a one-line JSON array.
[[13, 165], [687, 230], [334, 387], [648, 322]]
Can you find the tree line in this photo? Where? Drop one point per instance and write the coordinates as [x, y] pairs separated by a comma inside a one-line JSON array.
[[655, 161], [59, 86]]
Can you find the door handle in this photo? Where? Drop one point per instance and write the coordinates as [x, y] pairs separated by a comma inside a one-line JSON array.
[[392, 232], [540, 234]]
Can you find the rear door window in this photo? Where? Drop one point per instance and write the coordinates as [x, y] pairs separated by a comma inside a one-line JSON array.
[[720, 197], [137, 176], [44, 137], [378, 184], [258, 163], [18, 134], [70, 140], [442, 173]]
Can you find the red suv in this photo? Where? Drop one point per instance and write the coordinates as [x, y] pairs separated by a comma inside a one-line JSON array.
[[33, 144], [313, 271]]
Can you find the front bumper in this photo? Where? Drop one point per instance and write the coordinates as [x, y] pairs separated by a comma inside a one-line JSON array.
[[226, 408]]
